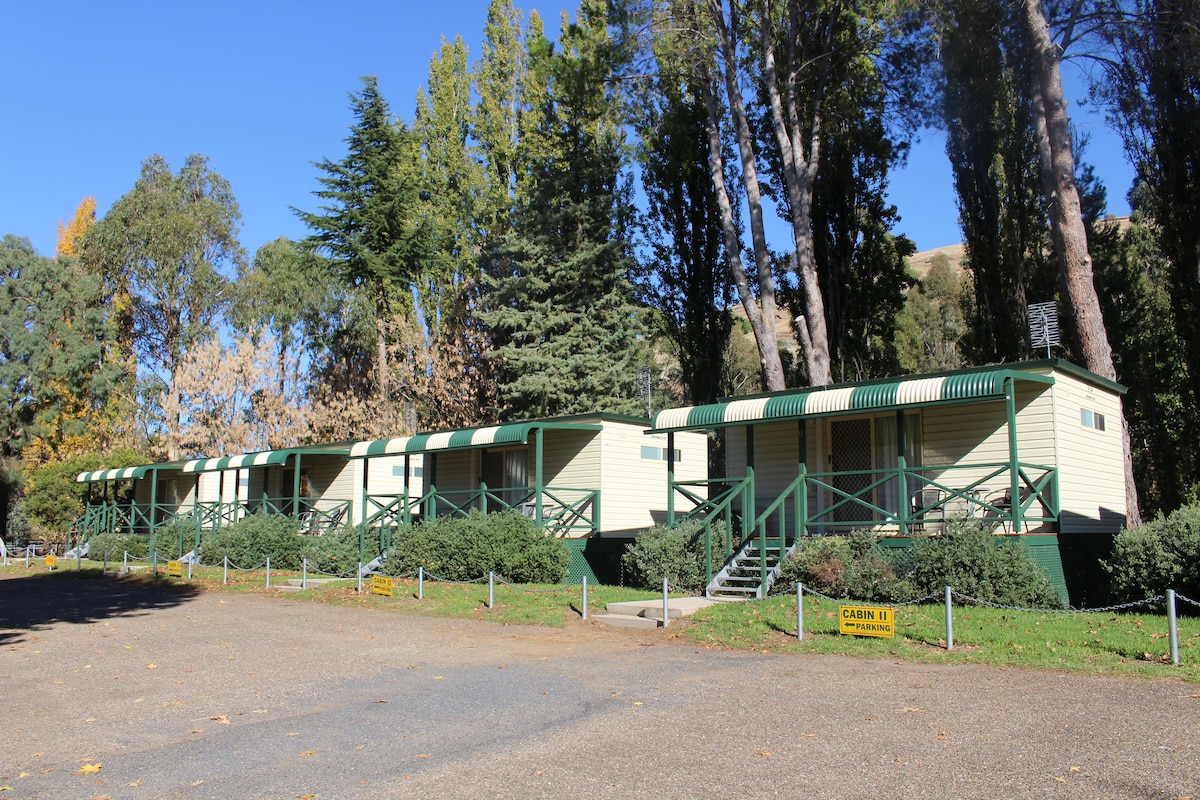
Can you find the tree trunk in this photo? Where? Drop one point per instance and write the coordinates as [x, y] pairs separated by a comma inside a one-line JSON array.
[[382, 388], [761, 314], [1066, 221], [800, 163]]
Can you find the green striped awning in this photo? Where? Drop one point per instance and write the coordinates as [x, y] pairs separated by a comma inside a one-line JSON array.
[[874, 396], [266, 458], [493, 435], [115, 474]]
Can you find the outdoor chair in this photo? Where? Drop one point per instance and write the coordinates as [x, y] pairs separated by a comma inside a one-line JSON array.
[[929, 510]]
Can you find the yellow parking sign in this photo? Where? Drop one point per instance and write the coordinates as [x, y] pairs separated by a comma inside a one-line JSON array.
[[382, 584], [867, 621]]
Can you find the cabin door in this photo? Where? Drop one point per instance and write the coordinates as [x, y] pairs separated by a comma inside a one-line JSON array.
[[850, 452]]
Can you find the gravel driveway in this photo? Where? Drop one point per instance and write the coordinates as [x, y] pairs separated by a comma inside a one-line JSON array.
[[180, 694]]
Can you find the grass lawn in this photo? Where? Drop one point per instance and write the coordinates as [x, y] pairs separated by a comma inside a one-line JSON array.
[[1130, 644]]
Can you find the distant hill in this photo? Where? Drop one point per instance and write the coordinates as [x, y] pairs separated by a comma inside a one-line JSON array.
[[920, 262]]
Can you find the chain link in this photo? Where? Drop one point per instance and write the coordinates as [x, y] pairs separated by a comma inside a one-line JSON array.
[[1118, 607], [1178, 596]]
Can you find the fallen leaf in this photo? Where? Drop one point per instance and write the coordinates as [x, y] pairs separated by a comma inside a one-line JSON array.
[[138, 782], [763, 753], [220, 719], [197, 783], [381, 701], [1076, 769], [424, 755], [7, 789], [437, 677], [128, 647], [1060, 779], [942, 736], [152, 666], [307, 796], [101, 797], [810, 736], [637, 702], [910, 709], [308, 753], [88, 769], [90, 719]]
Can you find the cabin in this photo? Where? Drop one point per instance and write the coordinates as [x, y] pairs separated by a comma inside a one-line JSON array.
[[310, 483], [138, 499], [593, 480], [1031, 449]]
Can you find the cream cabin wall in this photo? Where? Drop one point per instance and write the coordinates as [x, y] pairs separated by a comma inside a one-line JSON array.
[[1092, 462], [633, 488]]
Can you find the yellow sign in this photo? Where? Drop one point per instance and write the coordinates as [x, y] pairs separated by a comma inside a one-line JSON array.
[[382, 584], [175, 569], [50, 560], [867, 621]]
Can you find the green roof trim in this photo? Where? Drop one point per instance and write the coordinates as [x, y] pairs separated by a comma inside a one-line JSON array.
[[467, 438], [918, 390]]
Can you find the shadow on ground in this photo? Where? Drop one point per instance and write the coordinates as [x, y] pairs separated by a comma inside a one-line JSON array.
[[33, 602]]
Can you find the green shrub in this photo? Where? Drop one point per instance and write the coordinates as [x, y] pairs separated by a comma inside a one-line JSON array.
[[117, 545], [674, 553], [1162, 554], [251, 540], [466, 548], [337, 551], [173, 540], [974, 561], [855, 567]]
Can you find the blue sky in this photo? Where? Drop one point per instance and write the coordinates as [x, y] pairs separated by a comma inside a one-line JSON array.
[[89, 90]]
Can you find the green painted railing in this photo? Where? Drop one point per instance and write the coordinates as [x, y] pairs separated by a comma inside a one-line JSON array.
[[720, 503], [566, 511], [930, 495], [927, 496], [316, 515]]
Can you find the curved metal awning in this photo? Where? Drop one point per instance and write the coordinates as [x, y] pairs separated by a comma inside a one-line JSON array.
[[266, 458], [127, 473], [874, 396], [490, 436]]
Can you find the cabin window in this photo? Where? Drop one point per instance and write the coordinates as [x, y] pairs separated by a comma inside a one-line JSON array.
[[651, 453], [1091, 419], [414, 472]]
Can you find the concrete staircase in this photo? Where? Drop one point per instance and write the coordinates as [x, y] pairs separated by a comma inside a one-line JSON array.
[[649, 613]]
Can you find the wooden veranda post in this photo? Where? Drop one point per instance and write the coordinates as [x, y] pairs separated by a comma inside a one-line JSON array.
[[296, 489], [902, 498], [153, 499], [362, 522], [671, 480], [802, 494], [1014, 464], [539, 434]]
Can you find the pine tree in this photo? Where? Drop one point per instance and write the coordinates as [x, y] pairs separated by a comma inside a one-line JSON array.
[[374, 228], [563, 306]]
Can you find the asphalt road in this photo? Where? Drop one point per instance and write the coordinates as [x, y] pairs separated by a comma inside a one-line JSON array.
[[181, 694]]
